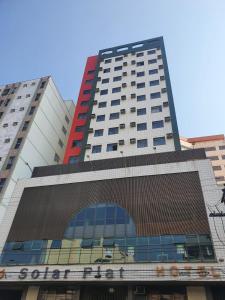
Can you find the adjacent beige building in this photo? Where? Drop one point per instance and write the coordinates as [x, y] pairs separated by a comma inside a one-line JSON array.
[[214, 146]]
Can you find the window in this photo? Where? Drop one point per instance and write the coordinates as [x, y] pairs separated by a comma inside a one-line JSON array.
[[102, 104], [32, 109], [112, 147], [119, 58], [155, 95], [106, 80], [156, 109], [56, 244], [2, 183], [106, 70], [154, 82], [141, 126], [159, 141], [10, 162], [100, 118], [42, 84], [73, 159], [140, 74], [140, 63], [5, 92], [25, 125], [98, 132], [141, 98], [76, 143], [21, 109], [64, 130], [151, 52], [141, 111], [118, 68], [91, 72], [67, 119], [107, 61], [19, 97], [113, 130], [153, 71], [89, 81], [25, 85], [18, 143], [7, 140], [116, 90], [79, 128], [142, 143], [15, 123], [140, 54], [152, 61], [82, 116], [117, 78], [115, 102], [104, 92], [86, 92], [222, 147], [217, 168], [37, 97], [114, 116], [213, 157], [84, 103], [97, 149], [60, 143], [141, 85], [157, 124], [5, 125]]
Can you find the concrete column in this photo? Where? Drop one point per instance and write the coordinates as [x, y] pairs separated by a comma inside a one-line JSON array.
[[77, 295], [130, 293], [32, 293], [196, 293]]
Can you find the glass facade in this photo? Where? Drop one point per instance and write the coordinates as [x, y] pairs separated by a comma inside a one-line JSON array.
[[105, 233]]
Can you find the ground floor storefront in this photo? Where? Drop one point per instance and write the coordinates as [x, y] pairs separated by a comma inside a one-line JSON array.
[[113, 292]]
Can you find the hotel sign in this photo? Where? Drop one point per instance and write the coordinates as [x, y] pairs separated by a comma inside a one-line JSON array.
[[113, 272]]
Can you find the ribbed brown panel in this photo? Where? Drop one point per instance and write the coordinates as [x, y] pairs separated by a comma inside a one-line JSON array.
[[162, 204], [113, 163]]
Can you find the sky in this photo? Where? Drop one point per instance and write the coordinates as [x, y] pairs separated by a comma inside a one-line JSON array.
[[54, 37]]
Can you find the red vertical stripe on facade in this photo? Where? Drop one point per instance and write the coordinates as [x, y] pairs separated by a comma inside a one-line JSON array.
[[78, 136]]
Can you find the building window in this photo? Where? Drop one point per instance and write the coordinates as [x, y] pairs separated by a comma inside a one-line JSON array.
[[217, 168], [97, 149], [98, 132], [89, 81], [151, 52], [5, 125], [25, 125], [42, 84], [115, 102], [141, 111], [112, 147], [64, 130], [141, 98], [7, 140], [18, 143], [2, 183], [21, 109], [222, 147], [67, 119], [73, 159], [118, 68], [117, 78], [154, 82], [106, 80], [12, 110], [107, 61], [104, 92], [140, 74], [113, 130], [15, 123], [32, 109], [153, 71], [140, 54], [141, 126], [119, 58], [114, 116], [155, 95], [25, 85], [27, 95], [100, 118], [140, 85], [102, 104], [140, 63], [82, 116], [86, 92], [116, 90], [142, 143], [106, 70], [91, 72], [37, 97], [79, 128], [213, 157], [157, 124], [84, 103], [152, 61], [5, 92], [76, 143], [158, 141], [156, 109], [60, 143], [10, 162]]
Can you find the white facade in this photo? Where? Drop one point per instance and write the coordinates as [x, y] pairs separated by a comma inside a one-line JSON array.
[[43, 139], [133, 108]]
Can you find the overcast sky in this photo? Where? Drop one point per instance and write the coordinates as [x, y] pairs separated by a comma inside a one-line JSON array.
[[54, 37]]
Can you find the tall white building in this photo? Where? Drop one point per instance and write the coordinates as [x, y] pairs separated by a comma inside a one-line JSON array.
[[34, 126]]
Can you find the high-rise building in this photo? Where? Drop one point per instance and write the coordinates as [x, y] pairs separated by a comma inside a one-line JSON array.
[[125, 105], [214, 146], [34, 126]]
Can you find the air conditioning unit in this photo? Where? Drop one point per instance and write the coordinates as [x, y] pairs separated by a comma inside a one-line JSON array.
[[90, 130], [123, 97], [133, 83], [133, 141], [121, 142], [132, 109], [124, 74], [92, 116], [99, 79], [133, 124], [167, 119], [165, 104], [169, 136], [87, 146], [163, 90], [124, 85], [101, 68], [162, 78], [133, 62], [133, 96], [133, 72], [125, 64], [95, 102], [161, 67], [97, 90], [140, 290], [122, 111], [122, 126]]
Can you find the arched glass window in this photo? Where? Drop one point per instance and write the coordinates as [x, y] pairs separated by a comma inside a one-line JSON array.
[[100, 220]]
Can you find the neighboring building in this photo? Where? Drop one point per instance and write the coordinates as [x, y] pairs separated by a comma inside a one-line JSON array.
[[125, 105], [34, 126], [214, 146]]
